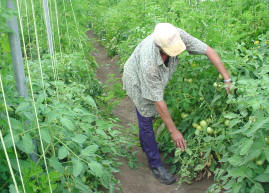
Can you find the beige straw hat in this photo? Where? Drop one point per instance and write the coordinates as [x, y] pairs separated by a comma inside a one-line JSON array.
[[168, 38]]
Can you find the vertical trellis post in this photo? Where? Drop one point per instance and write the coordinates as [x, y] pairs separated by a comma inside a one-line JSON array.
[[190, 2], [15, 48], [18, 67], [50, 40], [48, 26]]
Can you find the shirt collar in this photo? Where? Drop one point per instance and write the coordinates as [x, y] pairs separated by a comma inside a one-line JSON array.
[[159, 59]]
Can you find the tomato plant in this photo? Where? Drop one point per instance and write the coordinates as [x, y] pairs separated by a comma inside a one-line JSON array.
[[240, 37], [227, 136], [82, 147]]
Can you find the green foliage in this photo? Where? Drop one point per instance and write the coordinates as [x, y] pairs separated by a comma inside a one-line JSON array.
[[123, 24], [4, 45], [78, 141], [36, 179], [234, 148], [82, 146]]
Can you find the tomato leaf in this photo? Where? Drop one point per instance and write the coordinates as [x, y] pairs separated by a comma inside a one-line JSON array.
[[90, 150], [236, 187], [53, 161], [229, 184], [253, 155], [16, 125], [260, 123], [235, 160], [247, 143], [231, 115], [62, 152], [90, 101], [51, 116], [240, 172], [45, 135], [67, 123], [257, 188], [263, 177], [96, 168], [234, 122], [80, 186], [23, 106], [8, 140], [77, 167], [27, 143], [79, 138]]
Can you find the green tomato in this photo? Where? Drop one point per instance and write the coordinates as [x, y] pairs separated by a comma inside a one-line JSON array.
[[195, 125], [220, 85], [209, 130], [178, 152], [215, 84], [203, 123], [188, 151], [208, 120], [184, 115], [199, 128], [266, 140], [227, 123], [259, 162], [220, 77], [84, 179], [252, 119], [197, 132]]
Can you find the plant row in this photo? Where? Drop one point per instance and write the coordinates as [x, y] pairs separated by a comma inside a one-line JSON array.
[[81, 144], [227, 135]]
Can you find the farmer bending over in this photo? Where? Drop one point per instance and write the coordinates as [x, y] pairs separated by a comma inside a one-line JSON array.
[[147, 72]]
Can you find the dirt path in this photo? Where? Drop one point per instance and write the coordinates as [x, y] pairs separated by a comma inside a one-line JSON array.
[[137, 180]]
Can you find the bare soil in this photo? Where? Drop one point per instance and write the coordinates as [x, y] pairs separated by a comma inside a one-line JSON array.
[[139, 180]]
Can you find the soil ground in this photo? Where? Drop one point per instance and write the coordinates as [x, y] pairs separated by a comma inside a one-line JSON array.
[[139, 180]]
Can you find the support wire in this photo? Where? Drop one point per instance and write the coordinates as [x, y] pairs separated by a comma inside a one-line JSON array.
[[33, 99], [13, 143]]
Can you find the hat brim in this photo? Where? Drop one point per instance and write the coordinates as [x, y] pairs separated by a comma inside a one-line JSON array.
[[175, 48]]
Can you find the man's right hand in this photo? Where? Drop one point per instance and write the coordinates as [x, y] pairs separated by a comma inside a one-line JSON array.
[[179, 140], [175, 134]]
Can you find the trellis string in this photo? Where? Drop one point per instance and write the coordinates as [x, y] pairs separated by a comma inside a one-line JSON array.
[[32, 94], [50, 42], [67, 28], [28, 28], [51, 22], [50, 13], [38, 52], [8, 162], [12, 136], [58, 30], [80, 42]]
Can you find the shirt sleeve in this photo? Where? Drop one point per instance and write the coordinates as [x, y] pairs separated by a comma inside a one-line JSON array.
[[193, 45], [151, 85]]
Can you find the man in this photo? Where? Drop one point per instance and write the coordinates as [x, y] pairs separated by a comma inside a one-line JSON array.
[[147, 72]]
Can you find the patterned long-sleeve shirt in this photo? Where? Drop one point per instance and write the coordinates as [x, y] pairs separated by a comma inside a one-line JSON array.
[[145, 75]]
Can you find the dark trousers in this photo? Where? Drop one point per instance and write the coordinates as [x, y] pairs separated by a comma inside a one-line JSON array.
[[147, 140]]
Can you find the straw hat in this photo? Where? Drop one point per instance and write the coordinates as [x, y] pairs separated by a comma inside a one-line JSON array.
[[168, 38]]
